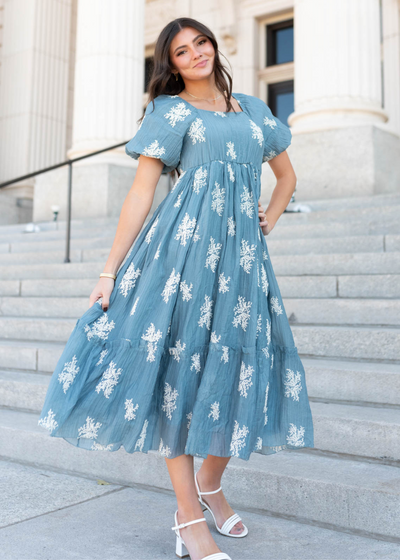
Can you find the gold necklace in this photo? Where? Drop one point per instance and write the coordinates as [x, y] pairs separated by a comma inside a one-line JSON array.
[[203, 98]]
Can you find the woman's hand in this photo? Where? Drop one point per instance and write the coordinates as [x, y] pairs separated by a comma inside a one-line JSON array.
[[102, 290], [266, 225]]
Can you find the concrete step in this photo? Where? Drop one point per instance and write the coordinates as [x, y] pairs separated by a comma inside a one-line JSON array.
[[369, 343], [29, 355], [363, 343], [299, 310], [349, 494], [296, 265], [331, 311], [355, 382], [93, 252], [382, 286], [355, 430]]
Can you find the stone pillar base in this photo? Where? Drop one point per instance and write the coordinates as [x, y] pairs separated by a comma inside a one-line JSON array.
[[341, 162], [98, 190]]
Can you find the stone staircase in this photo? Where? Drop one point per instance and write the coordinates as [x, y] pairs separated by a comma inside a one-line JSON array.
[[338, 268]]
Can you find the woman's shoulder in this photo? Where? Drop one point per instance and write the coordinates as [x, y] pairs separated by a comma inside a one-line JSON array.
[[171, 109]]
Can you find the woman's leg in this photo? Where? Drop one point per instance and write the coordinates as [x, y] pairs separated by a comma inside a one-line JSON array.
[[209, 478], [197, 537]]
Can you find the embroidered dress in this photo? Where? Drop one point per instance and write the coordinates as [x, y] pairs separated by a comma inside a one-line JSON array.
[[195, 354]]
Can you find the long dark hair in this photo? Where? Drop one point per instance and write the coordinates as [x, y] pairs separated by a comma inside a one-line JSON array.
[[162, 81]]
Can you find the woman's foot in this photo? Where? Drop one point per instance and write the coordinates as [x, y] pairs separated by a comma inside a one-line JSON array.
[[217, 502], [197, 537]]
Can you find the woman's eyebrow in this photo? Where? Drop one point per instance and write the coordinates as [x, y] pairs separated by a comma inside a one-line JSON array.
[[181, 47]]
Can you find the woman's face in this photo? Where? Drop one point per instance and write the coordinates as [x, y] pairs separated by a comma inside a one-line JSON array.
[[187, 49]]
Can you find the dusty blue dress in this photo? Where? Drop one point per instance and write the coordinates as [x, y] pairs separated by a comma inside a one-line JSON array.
[[195, 354]]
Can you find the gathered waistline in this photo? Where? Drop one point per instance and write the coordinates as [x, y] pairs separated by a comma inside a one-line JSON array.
[[219, 161]]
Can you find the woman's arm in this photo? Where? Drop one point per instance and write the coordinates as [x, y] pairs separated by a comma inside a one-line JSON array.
[[282, 193], [134, 211]]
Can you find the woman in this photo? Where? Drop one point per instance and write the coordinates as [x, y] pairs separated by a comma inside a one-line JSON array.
[[186, 347]]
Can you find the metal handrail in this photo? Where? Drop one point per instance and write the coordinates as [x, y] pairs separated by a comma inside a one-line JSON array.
[[68, 162]]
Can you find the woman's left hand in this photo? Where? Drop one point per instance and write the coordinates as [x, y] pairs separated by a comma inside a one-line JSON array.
[[266, 225]]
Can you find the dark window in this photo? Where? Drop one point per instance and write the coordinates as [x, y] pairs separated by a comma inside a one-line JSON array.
[[280, 47], [148, 68], [281, 99]]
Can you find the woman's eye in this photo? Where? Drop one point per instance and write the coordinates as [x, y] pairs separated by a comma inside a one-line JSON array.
[[201, 41]]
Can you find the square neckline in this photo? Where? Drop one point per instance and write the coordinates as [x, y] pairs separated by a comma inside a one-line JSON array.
[[223, 112]]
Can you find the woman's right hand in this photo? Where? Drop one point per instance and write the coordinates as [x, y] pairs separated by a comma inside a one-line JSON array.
[[102, 290]]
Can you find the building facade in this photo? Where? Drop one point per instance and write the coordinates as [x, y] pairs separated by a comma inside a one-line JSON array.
[[74, 73]]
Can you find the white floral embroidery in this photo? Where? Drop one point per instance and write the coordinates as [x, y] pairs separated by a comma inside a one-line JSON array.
[[200, 179], [185, 229], [170, 396], [68, 373], [258, 234], [195, 362], [264, 280], [220, 114], [129, 279], [185, 289], [134, 306], [196, 131], [258, 274], [231, 172], [154, 150], [165, 451], [152, 337], [130, 409], [231, 150], [247, 255], [49, 421], [213, 254], [292, 384], [99, 447], [238, 439], [214, 338], [177, 113], [295, 436], [245, 381], [265, 256], [196, 235], [100, 328], [206, 312], [157, 254], [189, 416], [218, 199], [272, 361], [103, 354], [223, 283], [178, 200], [259, 325], [247, 204], [89, 429], [231, 226], [242, 313], [271, 154], [275, 306], [225, 354], [177, 350], [140, 442], [151, 231], [270, 122], [257, 133], [109, 379], [171, 285], [265, 409], [214, 411], [258, 444]]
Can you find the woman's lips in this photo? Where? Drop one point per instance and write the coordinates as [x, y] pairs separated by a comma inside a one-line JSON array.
[[201, 64]]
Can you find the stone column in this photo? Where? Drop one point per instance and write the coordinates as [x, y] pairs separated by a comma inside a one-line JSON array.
[[339, 123], [33, 93]]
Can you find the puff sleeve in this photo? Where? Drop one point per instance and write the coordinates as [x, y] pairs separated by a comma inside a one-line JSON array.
[[160, 134], [277, 136]]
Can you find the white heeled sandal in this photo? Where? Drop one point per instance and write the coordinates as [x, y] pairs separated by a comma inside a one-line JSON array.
[[181, 550], [229, 523]]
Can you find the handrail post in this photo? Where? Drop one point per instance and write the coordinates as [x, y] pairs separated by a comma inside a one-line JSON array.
[[68, 224]]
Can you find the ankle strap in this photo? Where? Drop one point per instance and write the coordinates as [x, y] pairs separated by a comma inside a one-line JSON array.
[[213, 492], [182, 525]]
